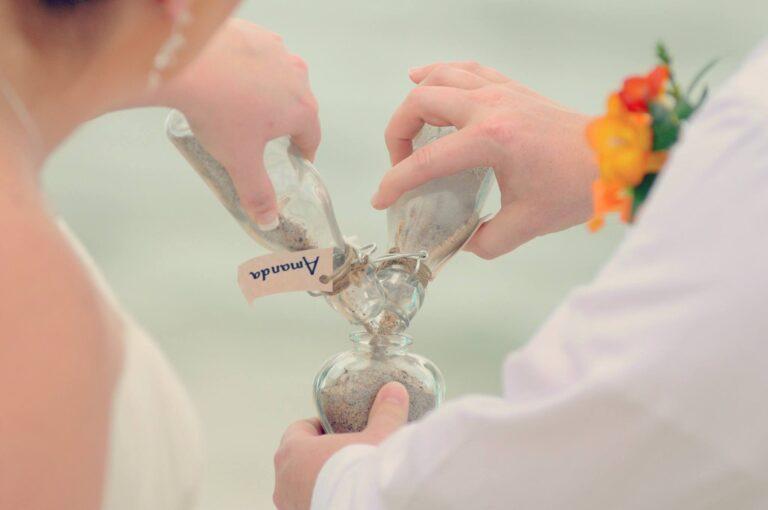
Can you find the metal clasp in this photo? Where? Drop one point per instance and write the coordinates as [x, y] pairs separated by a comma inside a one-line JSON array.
[[360, 258], [418, 256]]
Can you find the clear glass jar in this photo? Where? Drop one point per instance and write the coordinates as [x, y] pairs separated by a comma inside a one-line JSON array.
[[347, 384], [427, 226], [306, 217]]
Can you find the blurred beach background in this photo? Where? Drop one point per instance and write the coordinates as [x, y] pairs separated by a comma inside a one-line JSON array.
[[171, 251]]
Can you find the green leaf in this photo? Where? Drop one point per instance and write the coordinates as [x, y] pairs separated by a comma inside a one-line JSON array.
[[701, 75], [658, 111], [666, 126], [704, 94], [684, 109], [665, 136], [641, 191], [663, 54]]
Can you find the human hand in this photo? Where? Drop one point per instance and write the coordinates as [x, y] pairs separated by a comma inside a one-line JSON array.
[[304, 448], [536, 147], [242, 91]]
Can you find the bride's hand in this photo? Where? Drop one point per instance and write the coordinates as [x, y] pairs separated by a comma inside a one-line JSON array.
[[536, 147], [243, 90]]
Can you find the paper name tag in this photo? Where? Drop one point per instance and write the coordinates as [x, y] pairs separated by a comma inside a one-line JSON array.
[[286, 272]]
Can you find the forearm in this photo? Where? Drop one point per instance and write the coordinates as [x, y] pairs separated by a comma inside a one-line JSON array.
[[429, 464], [586, 447]]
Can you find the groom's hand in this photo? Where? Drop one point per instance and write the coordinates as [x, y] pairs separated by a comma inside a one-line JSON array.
[[304, 448], [536, 147]]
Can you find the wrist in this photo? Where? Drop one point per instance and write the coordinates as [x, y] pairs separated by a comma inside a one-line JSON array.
[[173, 93], [585, 163], [342, 463]]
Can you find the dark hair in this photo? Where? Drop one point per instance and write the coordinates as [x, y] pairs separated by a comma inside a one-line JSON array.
[[62, 3], [62, 28]]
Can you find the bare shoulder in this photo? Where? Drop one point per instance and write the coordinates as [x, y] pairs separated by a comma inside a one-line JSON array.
[[46, 293], [59, 361]]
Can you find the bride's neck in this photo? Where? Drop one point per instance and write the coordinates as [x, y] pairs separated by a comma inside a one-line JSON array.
[[26, 136], [22, 148], [21, 143], [20, 161], [41, 102]]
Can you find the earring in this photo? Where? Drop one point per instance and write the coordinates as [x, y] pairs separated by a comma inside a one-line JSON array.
[[166, 55]]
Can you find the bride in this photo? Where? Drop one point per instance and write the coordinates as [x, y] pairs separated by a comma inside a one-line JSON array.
[[91, 415]]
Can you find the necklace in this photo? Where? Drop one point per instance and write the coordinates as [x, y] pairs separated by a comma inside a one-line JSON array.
[[20, 110]]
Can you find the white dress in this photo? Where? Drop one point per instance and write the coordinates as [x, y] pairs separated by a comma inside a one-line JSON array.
[[155, 456], [648, 388]]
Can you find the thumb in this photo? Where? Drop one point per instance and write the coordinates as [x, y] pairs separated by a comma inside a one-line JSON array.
[[512, 226], [389, 411], [257, 196], [307, 137]]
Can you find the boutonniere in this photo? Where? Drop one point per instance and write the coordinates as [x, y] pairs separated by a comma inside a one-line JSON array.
[[642, 122]]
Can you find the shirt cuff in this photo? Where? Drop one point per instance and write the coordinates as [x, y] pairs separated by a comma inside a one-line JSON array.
[[333, 471]]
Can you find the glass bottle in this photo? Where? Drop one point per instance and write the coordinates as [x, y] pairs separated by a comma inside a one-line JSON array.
[[306, 217], [347, 384], [426, 227]]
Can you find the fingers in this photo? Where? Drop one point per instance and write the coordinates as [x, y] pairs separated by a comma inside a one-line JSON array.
[[310, 427], [307, 138], [389, 411], [513, 226], [417, 74], [439, 106], [445, 156], [447, 76], [257, 196]]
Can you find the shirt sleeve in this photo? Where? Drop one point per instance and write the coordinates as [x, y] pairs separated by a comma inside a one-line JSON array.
[[646, 388]]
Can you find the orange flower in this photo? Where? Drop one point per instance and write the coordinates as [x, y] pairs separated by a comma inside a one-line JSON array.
[[607, 198], [623, 142], [638, 91]]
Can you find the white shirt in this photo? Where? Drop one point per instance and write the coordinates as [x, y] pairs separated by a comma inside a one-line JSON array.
[[646, 389]]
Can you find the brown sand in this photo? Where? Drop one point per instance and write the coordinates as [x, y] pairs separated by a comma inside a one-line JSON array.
[[347, 401], [290, 235]]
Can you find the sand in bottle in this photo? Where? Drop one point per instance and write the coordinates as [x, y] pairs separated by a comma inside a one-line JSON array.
[[289, 235], [347, 401]]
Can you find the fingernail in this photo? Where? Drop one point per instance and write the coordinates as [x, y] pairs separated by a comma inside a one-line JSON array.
[[394, 393], [270, 223], [376, 200]]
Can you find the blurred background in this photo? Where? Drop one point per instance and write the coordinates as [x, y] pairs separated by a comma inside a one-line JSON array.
[[171, 251]]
